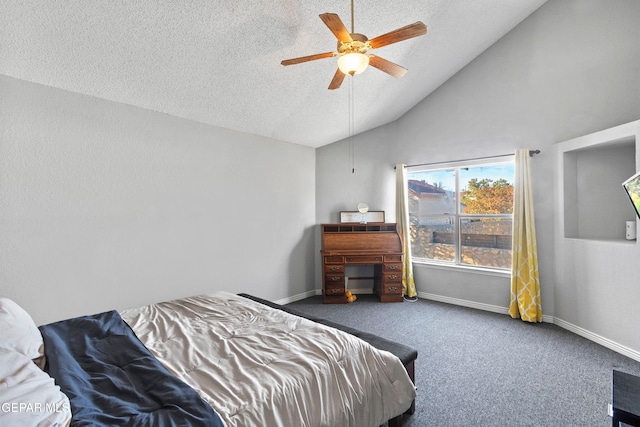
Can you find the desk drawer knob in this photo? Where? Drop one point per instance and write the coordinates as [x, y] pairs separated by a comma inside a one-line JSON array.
[[393, 288], [392, 277], [393, 267], [335, 268], [336, 279]]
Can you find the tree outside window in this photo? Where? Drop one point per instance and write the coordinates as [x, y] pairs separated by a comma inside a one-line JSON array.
[[462, 215]]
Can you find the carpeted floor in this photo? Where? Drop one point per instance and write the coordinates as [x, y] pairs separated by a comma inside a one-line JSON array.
[[477, 368]]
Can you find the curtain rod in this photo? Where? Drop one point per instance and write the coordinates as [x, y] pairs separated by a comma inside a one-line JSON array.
[[531, 153]]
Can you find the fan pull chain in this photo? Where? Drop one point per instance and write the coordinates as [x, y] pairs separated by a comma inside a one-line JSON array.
[[352, 151], [351, 127]]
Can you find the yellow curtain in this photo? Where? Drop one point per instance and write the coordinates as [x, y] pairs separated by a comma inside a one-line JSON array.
[[525, 280], [402, 224]]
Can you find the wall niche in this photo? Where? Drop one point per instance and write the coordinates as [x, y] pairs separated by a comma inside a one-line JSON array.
[[592, 169]]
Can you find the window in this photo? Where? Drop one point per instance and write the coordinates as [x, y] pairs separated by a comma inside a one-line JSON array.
[[462, 214]]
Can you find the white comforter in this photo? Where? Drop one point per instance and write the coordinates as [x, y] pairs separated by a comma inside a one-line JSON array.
[[258, 366]]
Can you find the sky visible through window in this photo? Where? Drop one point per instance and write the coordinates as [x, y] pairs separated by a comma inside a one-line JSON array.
[[445, 178]]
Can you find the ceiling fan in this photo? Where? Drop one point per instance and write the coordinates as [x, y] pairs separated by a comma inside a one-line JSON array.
[[353, 47]]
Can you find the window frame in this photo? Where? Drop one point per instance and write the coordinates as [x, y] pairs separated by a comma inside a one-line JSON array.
[[458, 216]]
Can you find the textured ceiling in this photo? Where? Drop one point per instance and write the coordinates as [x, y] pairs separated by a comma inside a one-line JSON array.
[[218, 62]]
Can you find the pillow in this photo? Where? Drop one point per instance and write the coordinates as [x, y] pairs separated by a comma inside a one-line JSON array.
[[18, 332], [28, 396]]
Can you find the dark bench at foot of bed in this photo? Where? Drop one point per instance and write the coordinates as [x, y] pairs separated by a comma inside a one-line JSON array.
[[406, 354]]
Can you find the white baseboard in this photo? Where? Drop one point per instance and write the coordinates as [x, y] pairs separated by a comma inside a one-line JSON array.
[[598, 339], [298, 297], [473, 304], [605, 342], [316, 292], [361, 291], [464, 303]]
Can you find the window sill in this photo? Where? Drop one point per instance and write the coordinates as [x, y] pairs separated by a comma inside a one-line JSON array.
[[463, 268]]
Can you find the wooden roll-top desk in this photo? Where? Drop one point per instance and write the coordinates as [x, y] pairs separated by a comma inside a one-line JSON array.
[[358, 244]]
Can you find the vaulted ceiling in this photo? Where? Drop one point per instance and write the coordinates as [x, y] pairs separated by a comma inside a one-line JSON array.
[[218, 62]]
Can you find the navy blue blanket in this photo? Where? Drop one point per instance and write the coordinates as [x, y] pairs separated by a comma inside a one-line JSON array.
[[112, 379]]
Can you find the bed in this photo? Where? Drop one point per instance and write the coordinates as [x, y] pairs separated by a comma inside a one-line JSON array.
[[213, 360]]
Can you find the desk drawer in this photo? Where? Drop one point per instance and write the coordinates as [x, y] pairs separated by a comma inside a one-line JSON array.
[[334, 279], [363, 259], [334, 290], [392, 277], [393, 258], [334, 268], [334, 259], [392, 289], [393, 268]]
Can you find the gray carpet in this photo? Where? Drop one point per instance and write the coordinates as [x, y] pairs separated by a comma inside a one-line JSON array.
[[476, 368]]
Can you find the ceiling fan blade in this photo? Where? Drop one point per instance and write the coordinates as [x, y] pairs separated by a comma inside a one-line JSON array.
[[387, 66], [413, 30], [308, 58], [336, 26], [338, 77]]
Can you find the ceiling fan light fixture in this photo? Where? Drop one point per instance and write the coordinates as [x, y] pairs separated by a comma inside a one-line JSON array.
[[353, 63], [352, 49]]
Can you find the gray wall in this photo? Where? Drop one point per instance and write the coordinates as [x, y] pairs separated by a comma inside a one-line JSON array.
[[105, 206], [571, 68], [595, 264]]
